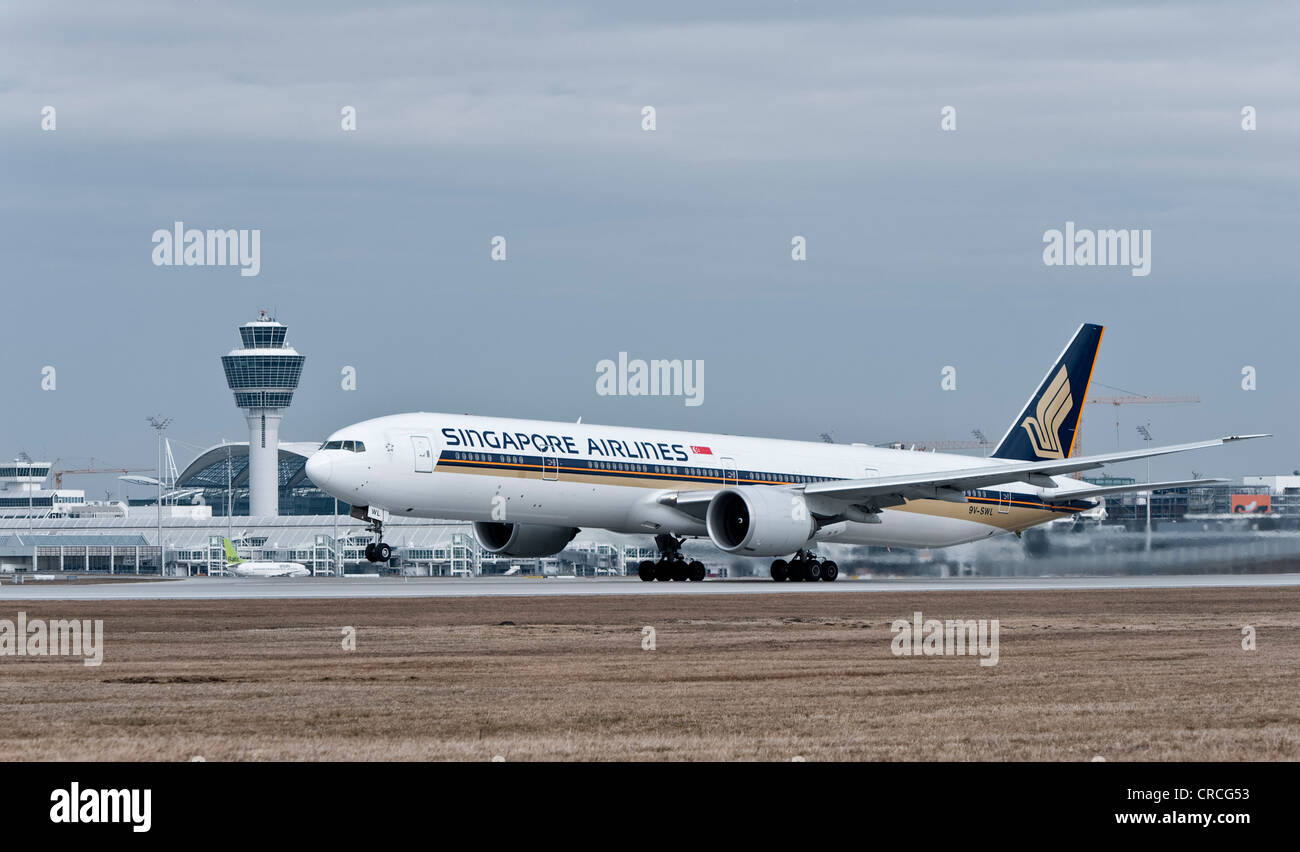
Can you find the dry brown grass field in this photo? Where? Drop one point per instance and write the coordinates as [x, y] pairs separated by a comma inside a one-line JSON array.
[[1124, 675]]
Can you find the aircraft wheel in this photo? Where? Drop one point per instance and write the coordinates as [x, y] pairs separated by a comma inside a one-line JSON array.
[[663, 571], [830, 571], [796, 570], [680, 571], [370, 552], [812, 570], [780, 570], [696, 571], [383, 552], [646, 571]]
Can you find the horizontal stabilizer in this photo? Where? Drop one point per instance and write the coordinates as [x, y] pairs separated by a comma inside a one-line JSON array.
[[1121, 489]]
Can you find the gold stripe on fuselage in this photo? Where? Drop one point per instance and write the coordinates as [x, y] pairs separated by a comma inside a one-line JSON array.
[[1019, 515]]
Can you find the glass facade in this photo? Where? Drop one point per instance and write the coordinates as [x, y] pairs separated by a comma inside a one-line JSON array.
[[266, 336], [10, 472], [298, 496], [214, 475], [24, 502], [263, 399], [264, 377], [262, 371]]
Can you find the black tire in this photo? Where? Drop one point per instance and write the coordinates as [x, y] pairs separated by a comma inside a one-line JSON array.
[[696, 571], [646, 571], [663, 571], [383, 552], [680, 571], [370, 552], [812, 570], [780, 570], [830, 571], [796, 571]]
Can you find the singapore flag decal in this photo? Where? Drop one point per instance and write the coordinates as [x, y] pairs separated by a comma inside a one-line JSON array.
[[702, 451]]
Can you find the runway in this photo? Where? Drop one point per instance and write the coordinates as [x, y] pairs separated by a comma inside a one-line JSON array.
[[203, 588]]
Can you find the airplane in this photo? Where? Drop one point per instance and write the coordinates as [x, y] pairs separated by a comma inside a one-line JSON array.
[[529, 486], [242, 568]]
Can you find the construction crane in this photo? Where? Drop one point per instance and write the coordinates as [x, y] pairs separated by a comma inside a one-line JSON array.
[[58, 472], [980, 443], [947, 445], [1129, 399], [936, 446]]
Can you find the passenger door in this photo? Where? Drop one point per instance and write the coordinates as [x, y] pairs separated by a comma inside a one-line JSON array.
[[423, 454]]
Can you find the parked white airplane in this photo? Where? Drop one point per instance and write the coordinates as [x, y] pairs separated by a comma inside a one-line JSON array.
[[242, 568], [529, 485]]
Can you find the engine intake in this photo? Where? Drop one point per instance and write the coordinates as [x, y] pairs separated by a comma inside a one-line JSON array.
[[759, 521], [523, 539]]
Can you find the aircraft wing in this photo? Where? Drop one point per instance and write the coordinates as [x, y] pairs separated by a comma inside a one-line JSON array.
[[883, 491], [949, 485], [1121, 489]]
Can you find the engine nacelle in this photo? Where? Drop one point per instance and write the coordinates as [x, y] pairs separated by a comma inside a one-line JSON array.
[[758, 520], [523, 539]]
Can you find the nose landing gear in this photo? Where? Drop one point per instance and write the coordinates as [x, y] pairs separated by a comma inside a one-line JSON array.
[[671, 564], [378, 550], [805, 566]]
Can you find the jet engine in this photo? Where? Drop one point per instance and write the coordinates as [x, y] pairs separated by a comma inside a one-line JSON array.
[[752, 520], [523, 539]]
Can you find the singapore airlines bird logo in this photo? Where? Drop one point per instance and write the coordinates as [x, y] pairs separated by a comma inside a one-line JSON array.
[[1045, 429]]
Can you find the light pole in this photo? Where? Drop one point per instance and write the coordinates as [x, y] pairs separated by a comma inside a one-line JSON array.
[[160, 424], [1145, 432], [230, 495]]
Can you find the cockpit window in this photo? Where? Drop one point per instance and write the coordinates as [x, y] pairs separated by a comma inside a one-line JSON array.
[[347, 446]]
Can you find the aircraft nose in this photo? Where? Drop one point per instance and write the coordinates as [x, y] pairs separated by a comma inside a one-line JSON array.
[[319, 468]]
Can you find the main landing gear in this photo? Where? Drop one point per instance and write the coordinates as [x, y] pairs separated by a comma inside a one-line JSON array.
[[377, 550], [805, 566], [671, 564]]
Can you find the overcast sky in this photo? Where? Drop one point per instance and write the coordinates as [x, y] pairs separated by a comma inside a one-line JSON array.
[[924, 247]]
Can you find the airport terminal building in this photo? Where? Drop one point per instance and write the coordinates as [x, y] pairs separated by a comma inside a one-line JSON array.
[[327, 545], [219, 476]]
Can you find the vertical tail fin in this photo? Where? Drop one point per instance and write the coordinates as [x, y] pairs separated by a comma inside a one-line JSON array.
[[1050, 421], [232, 556]]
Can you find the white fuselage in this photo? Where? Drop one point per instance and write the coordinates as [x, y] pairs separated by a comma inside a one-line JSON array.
[[461, 467], [268, 569]]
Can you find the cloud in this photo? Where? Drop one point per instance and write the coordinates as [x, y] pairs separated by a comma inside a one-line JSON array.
[[1157, 87]]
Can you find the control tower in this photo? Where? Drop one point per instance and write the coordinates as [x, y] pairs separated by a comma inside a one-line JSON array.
[[263, 374]]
